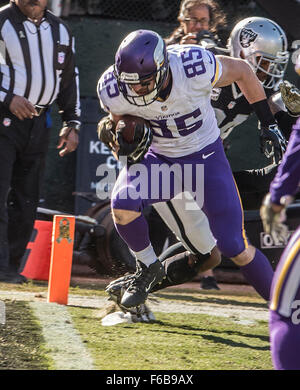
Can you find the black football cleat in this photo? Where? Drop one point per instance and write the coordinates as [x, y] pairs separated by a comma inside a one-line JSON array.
[[142, 282], [209, 283]]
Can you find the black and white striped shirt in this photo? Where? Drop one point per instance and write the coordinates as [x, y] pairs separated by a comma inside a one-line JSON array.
[[37, 62]]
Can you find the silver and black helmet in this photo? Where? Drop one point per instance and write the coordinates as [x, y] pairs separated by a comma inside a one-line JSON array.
[[263, 44]]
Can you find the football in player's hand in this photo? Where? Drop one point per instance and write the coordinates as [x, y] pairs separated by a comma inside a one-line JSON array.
[[128, 126]]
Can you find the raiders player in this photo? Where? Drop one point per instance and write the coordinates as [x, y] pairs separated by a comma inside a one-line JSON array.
[[146, 80], [263, 44]]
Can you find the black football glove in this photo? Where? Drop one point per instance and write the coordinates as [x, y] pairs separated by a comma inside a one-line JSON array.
[[136, 150], [272, 142]]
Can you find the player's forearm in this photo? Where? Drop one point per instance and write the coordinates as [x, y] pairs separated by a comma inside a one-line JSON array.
[[238, 71], [249, 84], [254, 92]]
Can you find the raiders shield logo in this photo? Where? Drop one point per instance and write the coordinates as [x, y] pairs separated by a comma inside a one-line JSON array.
[[247, 36]]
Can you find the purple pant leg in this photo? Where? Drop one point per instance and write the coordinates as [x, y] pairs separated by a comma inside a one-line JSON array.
[[142, 185], [135, 234], [134, 190], [222, 203], [223, 208], [284, 320], [285, 342]]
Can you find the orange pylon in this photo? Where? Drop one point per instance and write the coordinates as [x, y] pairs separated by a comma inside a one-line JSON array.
[[61, 258]]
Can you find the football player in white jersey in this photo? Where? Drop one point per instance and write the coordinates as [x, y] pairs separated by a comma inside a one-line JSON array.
[[191, 258], [268, 41], [254, 39], [263, 44], [171, 89]]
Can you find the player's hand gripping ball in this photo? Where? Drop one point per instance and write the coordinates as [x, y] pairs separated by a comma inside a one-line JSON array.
[[131, 127], [130, 137], [133, 137]]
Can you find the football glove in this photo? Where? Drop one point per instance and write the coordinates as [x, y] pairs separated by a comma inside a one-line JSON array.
[[272, 142], [113, 139], [291, 97], [273, 221], [136, 150], [106, 131]]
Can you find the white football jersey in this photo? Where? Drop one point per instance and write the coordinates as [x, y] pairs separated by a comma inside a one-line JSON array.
[[185, 122]]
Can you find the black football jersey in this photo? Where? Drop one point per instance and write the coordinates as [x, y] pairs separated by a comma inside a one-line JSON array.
[[231, 107]]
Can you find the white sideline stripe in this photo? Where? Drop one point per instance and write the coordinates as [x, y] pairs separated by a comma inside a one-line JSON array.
[[158, 306], [64, 342]]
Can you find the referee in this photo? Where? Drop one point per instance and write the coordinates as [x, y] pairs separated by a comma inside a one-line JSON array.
[[36, 67]]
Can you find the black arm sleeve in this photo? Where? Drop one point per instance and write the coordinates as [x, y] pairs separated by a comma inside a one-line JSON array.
[[263, 112]]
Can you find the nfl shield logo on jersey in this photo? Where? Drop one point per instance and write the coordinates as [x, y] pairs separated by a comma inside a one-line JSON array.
[[61, 57], [6, 122], [231, 105]]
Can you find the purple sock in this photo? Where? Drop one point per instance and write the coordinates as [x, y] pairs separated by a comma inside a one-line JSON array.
[[259, 274], [135, 233]]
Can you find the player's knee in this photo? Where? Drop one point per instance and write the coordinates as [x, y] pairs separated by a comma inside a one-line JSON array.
[[210, 262], [245, 257], [215, 257], [123, 217], [184, 267], [121, 201], [178, 269], [232, 249]]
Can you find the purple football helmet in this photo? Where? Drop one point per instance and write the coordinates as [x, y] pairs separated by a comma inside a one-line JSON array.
[[141, 59]]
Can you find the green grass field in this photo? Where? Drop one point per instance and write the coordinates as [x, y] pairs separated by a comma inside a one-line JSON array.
[[176, 341]]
